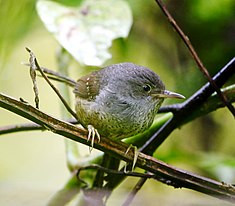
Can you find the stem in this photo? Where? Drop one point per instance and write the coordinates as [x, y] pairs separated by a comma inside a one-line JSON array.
[[195, 56], [188, 111], [134, 191], [163, 172], [192, 105], [34, 64], [72, 154]]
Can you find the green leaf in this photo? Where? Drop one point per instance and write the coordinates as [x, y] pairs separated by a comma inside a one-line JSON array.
[[86, 32]]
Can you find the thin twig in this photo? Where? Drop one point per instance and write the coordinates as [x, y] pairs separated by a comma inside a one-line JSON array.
[[195, 56], [111, 171], [190, 106], [134, 191], [210, 105], [182, 110], [27, 127], [163, 172], [57, 76], [71, 147], [187, 111], [51, 85], [213, 103]]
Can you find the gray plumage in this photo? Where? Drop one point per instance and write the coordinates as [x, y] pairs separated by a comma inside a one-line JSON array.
[[119, 100]]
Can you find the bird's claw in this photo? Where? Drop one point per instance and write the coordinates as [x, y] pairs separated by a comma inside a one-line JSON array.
[[136, 154], [92, 133]]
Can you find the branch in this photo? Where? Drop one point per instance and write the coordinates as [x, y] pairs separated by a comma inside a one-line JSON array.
[[26, 127], [195, 56], [163, 172], [33, 66], [188, 110], [212, 104], [183, 113], [57, 76]]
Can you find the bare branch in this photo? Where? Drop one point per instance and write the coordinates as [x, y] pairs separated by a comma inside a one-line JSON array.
[[27, 127], [34, 63], [162, 171], [190, 106], [56, 76], [210, 105], [195, 56]]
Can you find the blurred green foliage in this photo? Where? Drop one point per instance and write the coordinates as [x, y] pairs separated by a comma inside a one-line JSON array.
[[15, 21], [210, 26]]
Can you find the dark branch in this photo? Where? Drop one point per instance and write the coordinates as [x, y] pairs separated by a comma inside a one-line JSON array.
[[27, 127], [190, 106], [162, 171], [134, 191], [198, 105], [111, 171], [195, 56]]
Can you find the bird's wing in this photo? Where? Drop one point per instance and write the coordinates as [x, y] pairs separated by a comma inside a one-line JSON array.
[[87, 87]]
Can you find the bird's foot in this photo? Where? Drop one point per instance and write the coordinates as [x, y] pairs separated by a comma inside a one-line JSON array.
[[92, 133], [136, 154]]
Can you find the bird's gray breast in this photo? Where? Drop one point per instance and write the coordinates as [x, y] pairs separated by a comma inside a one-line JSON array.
[[124, 116]]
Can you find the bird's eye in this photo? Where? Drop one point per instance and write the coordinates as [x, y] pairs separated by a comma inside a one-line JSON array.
[[147, 88]]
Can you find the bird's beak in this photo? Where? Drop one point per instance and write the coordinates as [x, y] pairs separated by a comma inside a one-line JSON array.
[[168, 94]]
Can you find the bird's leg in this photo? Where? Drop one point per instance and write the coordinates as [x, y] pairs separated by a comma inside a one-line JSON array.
[[136, 154], [92, 133]]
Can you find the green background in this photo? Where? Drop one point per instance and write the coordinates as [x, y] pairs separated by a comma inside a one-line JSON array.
[[33, 165]]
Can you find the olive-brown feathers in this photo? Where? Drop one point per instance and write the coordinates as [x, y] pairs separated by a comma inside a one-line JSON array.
[[87, 87]]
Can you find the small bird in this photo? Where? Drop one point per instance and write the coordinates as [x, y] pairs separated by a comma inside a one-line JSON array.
[[120, 100]]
